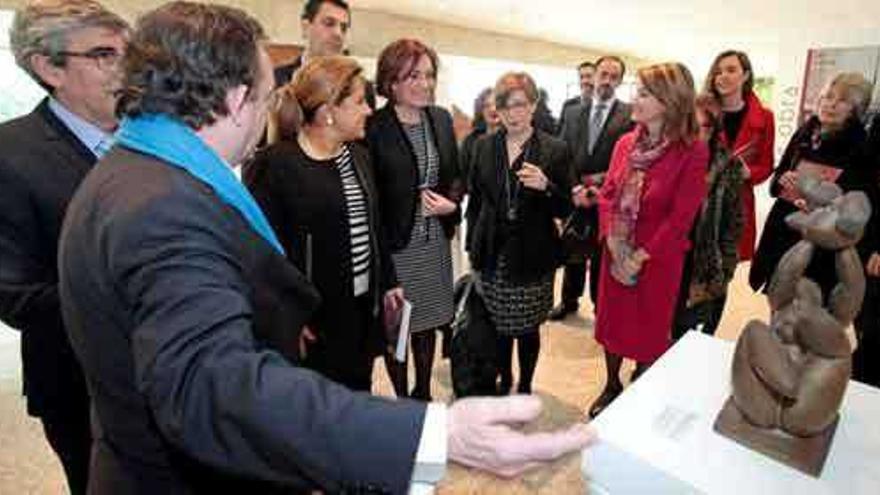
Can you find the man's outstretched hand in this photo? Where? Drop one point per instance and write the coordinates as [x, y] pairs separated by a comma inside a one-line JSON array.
[[483, 434]]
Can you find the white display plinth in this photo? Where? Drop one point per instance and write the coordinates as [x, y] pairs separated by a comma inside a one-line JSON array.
[[657, 437]]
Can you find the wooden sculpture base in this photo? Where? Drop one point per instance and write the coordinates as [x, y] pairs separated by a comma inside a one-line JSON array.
[[804, 454]]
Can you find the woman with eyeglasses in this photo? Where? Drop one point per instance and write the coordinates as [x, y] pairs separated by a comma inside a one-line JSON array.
[[315, 186], [647, 205], [486, 121], [520, 183], [415, 158]]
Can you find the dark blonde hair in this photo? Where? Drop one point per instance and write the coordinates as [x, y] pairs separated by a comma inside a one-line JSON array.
[[515, 81], [321, 81], [855, 88], [673, 86]]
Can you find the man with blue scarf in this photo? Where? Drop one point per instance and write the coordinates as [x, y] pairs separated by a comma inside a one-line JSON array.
[[186, 315]]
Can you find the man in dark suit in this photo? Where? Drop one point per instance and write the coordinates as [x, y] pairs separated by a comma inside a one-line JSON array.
[[591, 131], [325, 25], [71, 48], [586, 75], [186, 314]]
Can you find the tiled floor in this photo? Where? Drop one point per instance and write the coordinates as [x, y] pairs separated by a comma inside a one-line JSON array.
[[569, 376]]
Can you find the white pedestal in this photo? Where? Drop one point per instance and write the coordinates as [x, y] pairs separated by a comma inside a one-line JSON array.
[[657, 437]]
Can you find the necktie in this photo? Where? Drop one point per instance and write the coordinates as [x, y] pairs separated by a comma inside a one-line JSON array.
[[596, 125]]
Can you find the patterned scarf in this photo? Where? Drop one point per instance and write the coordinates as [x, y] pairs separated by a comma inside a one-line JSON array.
[[625, 209]]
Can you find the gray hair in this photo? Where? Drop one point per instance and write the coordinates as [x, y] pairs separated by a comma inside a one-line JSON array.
[[856, 89], [42, 27]]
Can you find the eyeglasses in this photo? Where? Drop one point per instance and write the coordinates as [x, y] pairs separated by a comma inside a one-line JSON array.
[[514, 105], [105, 57]]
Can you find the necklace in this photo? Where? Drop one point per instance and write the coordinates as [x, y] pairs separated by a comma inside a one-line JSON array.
[[312, 152]]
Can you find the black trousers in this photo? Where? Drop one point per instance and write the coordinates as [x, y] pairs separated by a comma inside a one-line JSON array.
[[573, 280], [866, 359], [69, 434]]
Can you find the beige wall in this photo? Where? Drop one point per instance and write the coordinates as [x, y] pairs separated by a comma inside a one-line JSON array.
[[373, 30]]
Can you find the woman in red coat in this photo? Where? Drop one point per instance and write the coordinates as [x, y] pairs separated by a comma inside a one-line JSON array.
[[654, 187], [748, 131]]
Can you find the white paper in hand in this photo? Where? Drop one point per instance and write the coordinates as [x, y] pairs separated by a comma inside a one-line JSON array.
[[403, 335]]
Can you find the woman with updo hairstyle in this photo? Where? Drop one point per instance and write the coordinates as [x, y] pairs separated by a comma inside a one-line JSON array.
[[655, 184], [415, 156], [316, 187], [519, 186]]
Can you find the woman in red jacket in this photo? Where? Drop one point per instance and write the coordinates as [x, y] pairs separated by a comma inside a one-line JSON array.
[[654, 188], [748, 131]]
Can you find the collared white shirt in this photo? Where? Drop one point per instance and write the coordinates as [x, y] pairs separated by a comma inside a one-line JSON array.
[[93, 137]]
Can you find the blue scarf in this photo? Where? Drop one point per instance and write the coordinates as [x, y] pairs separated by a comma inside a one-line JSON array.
[[170, 140]]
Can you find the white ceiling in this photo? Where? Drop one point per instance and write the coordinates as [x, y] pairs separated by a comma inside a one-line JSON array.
[[688, 30]]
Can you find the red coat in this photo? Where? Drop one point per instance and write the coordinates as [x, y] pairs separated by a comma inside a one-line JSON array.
[[635, 322], [758, 128]]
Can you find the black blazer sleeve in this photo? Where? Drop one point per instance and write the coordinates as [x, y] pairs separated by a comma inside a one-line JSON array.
[[561, 179], [388, 272], [787, 162], [213, 392], [475, 193], [28, 287]]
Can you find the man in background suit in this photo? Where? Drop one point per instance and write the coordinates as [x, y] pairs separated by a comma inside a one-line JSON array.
[[71, 48], [325, 25], [186, 314], [591, 131], [586, 76]]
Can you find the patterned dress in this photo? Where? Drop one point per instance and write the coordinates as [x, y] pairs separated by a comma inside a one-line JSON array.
[[424, 266], [515, 308]]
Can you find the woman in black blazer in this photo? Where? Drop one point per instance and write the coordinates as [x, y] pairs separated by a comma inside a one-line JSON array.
[[520, 182], [318, 192], [416, 163]]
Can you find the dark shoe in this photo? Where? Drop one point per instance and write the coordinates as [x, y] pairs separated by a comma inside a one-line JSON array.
[[561, 311], [524, 389], [503, 387], [605, 398]]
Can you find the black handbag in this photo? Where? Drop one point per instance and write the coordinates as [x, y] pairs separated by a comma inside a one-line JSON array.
[[473, 346], [578, 235]]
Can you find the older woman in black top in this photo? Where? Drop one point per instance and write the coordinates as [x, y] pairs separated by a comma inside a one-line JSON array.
[[317, 191], [520, 182], [834, 138], [416, 163]]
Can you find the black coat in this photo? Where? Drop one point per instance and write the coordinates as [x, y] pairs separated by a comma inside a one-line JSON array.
[[186, 322], [844, 149], [532, 241], [576, 133], [566, 105], [308, 212], [397, 171], [41, 164]]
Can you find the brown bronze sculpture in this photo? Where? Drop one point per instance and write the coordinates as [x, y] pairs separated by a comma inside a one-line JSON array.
[[789, 378]]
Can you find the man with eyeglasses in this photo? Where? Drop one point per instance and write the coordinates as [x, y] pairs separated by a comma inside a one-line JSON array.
[[71, 48]]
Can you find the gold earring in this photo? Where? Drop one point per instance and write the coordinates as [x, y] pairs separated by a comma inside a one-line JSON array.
[[329, 120]]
